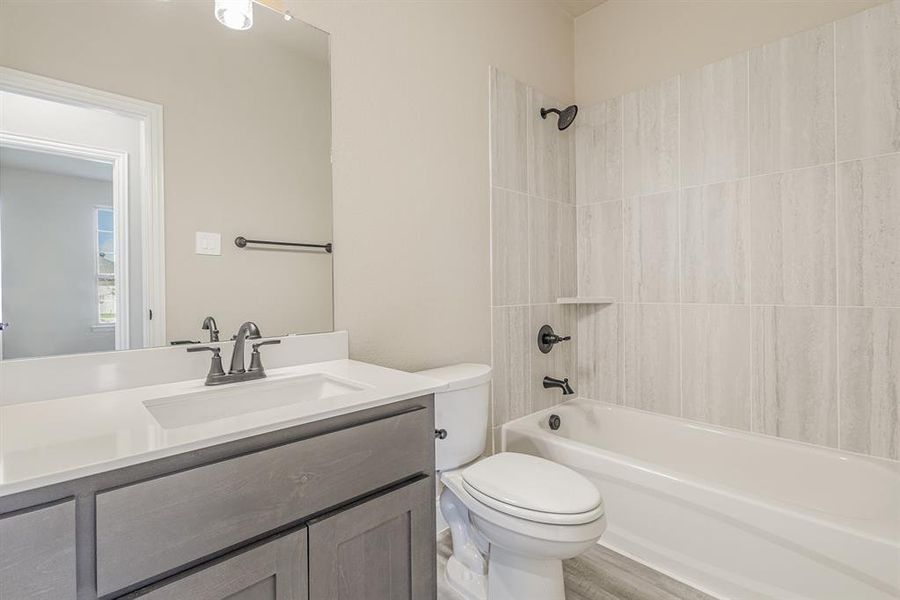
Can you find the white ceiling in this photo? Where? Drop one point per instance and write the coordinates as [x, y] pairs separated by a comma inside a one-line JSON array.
[[576, 8], [17, 158]]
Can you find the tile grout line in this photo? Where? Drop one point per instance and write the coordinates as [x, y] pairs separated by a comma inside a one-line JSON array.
[[530, 195], [837, 317], [717, 304], [529, 217], [718, 182], [761, 305], [772, 173], [622, 371], [491, 94], [750, 203], [861, 158], [678, 206]]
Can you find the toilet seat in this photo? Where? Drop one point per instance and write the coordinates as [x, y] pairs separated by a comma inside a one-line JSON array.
[[534, 489], [552, 532], [533, 515]]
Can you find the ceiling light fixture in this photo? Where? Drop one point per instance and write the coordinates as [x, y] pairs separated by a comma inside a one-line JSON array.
[[235, 14]]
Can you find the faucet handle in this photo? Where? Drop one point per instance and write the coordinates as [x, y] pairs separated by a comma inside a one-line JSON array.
[[212, 349], [265, 343], [215, 365], [256, 357]]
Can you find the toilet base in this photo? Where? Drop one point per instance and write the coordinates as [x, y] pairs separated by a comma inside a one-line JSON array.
[[510, 577], [465, 582], [514, 577], [500, 557]]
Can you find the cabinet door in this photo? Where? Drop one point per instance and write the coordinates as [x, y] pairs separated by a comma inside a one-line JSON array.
[[37, 554], [274, 570], [381, 549]]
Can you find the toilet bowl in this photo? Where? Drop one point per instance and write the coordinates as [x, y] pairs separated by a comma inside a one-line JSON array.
[[513, 517], [522, 525]]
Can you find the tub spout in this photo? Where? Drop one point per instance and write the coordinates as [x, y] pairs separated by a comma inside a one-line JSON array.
[[563, 384]]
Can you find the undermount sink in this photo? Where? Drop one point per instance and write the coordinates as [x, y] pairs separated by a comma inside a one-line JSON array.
[[238, 399]]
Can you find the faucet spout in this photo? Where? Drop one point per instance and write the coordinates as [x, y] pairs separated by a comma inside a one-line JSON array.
[[209, 324], [247, 330], [563, 384]]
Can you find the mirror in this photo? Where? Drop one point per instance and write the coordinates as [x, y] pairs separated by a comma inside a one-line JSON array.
[[138, 141]]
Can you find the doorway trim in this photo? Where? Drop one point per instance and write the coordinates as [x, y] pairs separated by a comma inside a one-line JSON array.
[[118, 160], [150, 118]]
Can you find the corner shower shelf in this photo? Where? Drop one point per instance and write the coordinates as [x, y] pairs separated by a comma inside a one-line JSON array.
[[586, 300]]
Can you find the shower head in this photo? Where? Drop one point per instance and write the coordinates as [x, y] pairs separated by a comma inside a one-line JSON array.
[[566, 115]]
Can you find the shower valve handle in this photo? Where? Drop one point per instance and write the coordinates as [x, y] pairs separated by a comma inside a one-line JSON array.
[[552, 338], [547, 338]]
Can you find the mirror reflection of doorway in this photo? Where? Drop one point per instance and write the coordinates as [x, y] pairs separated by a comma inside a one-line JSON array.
[[63, 241], [80, 219]]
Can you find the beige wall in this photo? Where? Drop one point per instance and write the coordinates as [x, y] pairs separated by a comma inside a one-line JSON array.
[[623, 45], [411, 175]]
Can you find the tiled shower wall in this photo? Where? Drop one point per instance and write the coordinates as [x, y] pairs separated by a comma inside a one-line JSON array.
[[532, 248], [746, 217]]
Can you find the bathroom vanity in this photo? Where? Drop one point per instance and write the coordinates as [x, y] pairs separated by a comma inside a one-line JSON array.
[[314, 499]]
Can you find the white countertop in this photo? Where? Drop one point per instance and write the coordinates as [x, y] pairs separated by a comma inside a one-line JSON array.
[[50, 441]]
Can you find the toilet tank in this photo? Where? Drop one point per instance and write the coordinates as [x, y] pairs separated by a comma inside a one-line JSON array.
[[462, 411]]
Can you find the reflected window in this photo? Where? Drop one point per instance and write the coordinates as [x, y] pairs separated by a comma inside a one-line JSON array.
[[105, 265]]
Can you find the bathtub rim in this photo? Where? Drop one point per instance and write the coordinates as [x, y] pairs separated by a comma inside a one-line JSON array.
[[531, 425]]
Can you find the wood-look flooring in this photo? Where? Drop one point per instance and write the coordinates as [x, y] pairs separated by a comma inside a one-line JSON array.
[[598, 574]]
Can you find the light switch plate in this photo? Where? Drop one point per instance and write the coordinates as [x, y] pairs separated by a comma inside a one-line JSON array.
[[209, 243]]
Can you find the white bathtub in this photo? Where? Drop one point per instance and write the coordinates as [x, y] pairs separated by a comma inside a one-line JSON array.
[[736, 515]]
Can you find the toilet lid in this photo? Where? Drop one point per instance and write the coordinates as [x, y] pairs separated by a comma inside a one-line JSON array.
[[531, 483]]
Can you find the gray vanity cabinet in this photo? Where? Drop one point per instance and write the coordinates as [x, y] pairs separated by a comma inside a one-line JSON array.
[[154, 526], [37, 553], [381, 549], [272, 570], [341, 508]]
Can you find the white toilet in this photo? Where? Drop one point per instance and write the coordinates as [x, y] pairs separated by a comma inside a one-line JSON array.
[[513, 517]]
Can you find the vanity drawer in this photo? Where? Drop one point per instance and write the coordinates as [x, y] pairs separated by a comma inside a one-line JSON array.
[[275, 569], [153, 527], [37, 553]]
